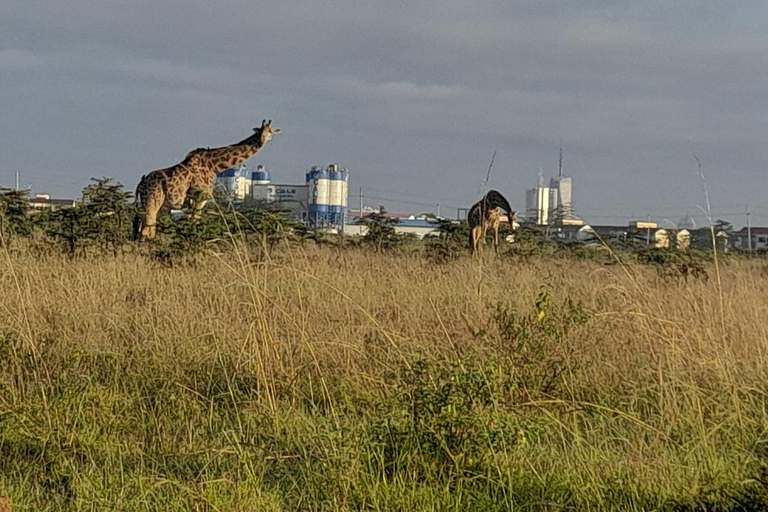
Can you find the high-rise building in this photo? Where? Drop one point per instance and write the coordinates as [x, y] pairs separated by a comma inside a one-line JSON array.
[[545, 205], [563, 186], [537, 207]]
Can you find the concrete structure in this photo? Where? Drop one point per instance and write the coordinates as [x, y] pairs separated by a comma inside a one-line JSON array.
[[759, 238], [44, 202], [328, 195], [537, 205], [291, 197], [662, 238], [234, 183], [574, 233], [545, 205], [560, 196], [406, 225], [321, 201], [641, 233]]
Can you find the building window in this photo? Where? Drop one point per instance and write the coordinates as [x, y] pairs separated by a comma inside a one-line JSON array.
[[761, 239]]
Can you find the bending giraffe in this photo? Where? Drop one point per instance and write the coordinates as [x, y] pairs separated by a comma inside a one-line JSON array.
[[486, 214], [170, 188]]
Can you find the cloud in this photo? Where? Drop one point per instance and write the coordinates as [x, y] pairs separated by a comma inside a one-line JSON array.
[[417, 94], [15, 60], [391, 91]]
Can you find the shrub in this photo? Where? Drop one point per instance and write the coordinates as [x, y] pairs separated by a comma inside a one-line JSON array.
[[14, 212]]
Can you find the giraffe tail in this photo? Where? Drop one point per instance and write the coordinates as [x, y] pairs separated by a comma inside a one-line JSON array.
[[137, 213]]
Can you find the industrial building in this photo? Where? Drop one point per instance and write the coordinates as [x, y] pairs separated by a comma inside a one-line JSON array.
[[419, 226], [321, 201], [751, 238], [44, 202], [641, 232]]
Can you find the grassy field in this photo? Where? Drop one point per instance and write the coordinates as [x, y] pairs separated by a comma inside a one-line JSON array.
[[326, 379]]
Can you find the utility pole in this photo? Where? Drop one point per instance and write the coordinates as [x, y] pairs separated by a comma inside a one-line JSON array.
[[648, 232], [749, 229], [438, 209], [17, 180], [360, 216]]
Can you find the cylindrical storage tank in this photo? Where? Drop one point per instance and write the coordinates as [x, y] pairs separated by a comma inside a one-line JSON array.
[[345, 192], [261, 177], [227, 180], [319, 195], [335, 200]]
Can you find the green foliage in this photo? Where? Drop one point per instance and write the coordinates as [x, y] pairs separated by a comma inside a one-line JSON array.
[[107, 203], [675, 265], [381, 235], [442, 424], [101, 220], [724, 235], [450, 244], [189, 236], [530, 242], [14, 212], [452, 231], [534, 344]]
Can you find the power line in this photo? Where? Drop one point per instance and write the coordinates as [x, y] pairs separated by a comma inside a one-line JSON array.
[[420, 196]]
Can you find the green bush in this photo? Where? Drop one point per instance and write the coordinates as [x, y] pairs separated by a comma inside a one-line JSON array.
[[14, 212], [100, 221], [188, 237]]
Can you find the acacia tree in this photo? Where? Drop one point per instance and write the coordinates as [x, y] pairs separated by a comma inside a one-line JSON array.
[[724, 233], [381, 231], [14, 212], [101, 219], [107, 202]]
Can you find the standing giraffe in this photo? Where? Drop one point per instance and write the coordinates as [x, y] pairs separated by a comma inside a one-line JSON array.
[[485, 214], [170, 188]]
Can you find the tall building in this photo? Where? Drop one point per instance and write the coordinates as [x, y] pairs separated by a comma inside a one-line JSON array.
[[546, 204], [562, 187], [537, 206]]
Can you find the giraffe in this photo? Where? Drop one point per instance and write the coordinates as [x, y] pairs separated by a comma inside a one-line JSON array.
[[486, 214], [170, 188]]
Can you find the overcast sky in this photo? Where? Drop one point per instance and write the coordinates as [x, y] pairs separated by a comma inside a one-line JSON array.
[[412, 97]]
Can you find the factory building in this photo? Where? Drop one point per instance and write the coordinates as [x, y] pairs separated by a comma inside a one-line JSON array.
[[321, 201]]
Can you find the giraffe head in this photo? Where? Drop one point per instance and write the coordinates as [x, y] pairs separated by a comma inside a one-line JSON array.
[[511, 216], [266, 131]]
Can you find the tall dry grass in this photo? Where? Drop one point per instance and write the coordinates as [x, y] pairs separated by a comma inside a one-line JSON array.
[[321, 379]]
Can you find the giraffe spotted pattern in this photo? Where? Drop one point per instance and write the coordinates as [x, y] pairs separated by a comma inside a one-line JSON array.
[[486, 214], [170, 188]]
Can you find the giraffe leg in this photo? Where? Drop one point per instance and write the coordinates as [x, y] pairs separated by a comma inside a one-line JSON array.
[[149, 225], [201, 196], [476, 235]]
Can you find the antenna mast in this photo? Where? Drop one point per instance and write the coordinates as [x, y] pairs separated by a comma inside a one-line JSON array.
[[488, 174], [560, 162]]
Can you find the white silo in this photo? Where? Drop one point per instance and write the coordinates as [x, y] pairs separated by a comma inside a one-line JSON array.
[[319, 196]]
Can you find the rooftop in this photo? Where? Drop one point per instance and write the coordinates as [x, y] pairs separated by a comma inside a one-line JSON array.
[[755, 231]]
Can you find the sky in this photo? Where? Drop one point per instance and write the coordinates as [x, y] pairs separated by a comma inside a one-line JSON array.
[[412, 97]]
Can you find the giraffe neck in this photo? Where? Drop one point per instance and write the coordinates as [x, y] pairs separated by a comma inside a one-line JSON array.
[[221, 159]]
